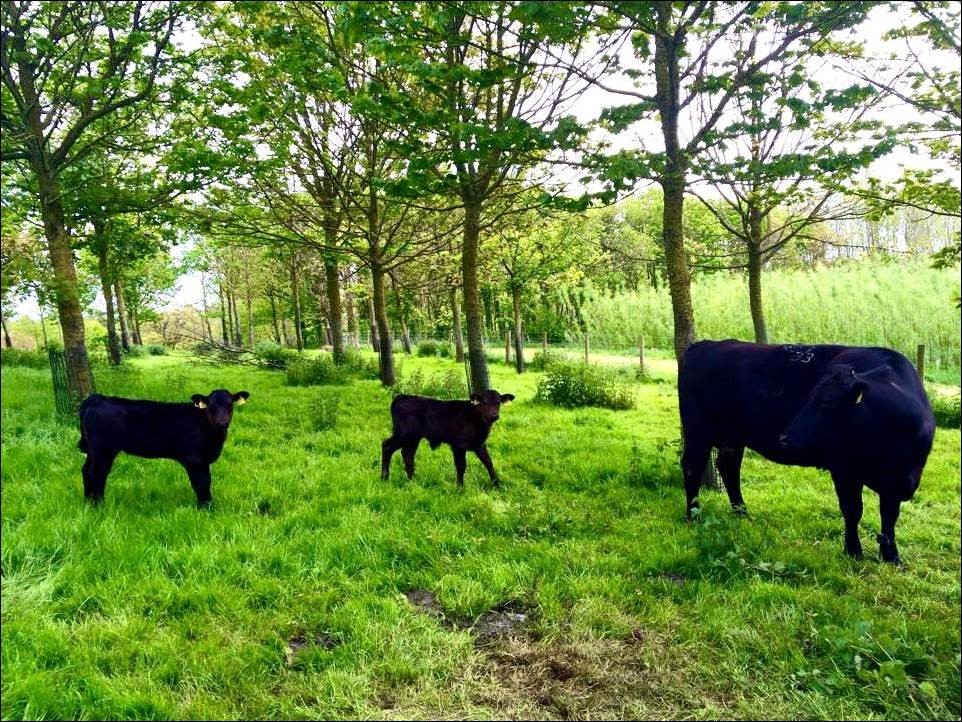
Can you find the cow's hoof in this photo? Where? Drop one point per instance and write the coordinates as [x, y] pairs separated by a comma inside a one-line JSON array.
[[856, 554], [741, 510], [205, 504], [94, 500]]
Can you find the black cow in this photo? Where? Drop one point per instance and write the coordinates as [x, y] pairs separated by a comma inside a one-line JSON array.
[[462, 425], [192, 434], [860, 413]]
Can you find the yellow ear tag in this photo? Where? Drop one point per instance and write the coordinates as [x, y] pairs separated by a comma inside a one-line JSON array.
[[241, 401], [858, 399], [201, 405]]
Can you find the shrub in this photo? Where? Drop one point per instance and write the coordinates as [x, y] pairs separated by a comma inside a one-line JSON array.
[[21, 357], [156, 349], [136, 351], [543, 360], [947, 410], [361, 366], [273, 355], [445, 350], [428, 348], [572, 384], [447, 385], [315, 371]]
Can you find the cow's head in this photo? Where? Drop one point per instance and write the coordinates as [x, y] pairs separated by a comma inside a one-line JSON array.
[[218, 406], [830, 412], [858, 416], [489, 404]]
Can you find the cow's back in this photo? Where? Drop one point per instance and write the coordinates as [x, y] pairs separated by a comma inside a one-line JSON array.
[[745, 394], [150, 429]]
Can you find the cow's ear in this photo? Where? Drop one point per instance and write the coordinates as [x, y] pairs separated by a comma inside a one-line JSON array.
[[475, 399], [241, 397], [199, 400], [859, 389], [506, 398]]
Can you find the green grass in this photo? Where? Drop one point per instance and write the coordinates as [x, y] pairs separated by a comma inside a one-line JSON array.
[[285, 600]]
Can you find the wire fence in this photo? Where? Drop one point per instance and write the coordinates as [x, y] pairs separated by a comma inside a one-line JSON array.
[[66, 401]]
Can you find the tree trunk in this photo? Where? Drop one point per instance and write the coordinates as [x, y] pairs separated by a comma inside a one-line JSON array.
[[372, 326], [122, 314], [285, 336], [80, 380], [225, 321], [383, 328], [113, 342], [472, 299], [679, 278], [203, 297], [6, 334], [250, 318], [238, 334], [405, 337], [456, 327], [277, 330], [296, 296], [755, 277], [333, 283], [138, 338], [673, 179], [352, 323], [518, 338]]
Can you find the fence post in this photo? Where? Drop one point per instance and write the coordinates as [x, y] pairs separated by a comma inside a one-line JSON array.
[[920, 360], [586, 347], [544, 343], [507, 348], [641, 354]]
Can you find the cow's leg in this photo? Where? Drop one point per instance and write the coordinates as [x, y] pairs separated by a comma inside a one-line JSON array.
[[693, 466], [388, 447], [200, 479], [889, 507], [729, 463], [407, 453], [95, 471], [459, 463], [482, 453], [850, 502]]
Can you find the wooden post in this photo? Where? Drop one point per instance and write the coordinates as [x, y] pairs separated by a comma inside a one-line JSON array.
[[507, 348], [544, 343], [586, 347], [920, 360], [641, 354]]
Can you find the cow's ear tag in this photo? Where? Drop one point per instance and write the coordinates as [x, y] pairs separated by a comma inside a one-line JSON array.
[[240, 401], [475, 402], [200, 405], [858, 399]]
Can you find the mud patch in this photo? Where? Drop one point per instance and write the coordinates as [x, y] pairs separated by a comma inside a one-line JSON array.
[[640, 677], [425, 602], [507, 619], [301, 642]]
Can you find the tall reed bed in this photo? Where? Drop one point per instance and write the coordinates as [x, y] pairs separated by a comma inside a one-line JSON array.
[[869, 303]]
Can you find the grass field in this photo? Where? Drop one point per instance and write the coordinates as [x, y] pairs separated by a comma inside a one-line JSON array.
[[291, 597]]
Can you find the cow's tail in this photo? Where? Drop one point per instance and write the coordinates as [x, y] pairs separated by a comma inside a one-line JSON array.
[[82, 444]]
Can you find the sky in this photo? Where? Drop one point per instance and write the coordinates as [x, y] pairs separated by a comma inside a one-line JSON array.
[[590, 103]]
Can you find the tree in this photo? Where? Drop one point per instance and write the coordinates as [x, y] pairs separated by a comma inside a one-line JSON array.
[[532, 251], [790, 145], [484, 105], [68, 69], [934, 90], [695, 58]]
